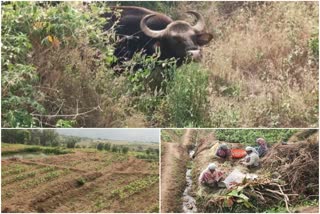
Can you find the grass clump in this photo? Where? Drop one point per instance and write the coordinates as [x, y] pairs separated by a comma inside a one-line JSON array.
[[187, 99]]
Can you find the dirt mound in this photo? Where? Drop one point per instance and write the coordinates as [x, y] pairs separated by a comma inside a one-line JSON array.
[[62, 188], [173, 164], [297, 164], [51, 165]]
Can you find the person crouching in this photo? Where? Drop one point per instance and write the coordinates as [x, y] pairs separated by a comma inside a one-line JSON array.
[[252, 158], [223, 152], [210, 176]]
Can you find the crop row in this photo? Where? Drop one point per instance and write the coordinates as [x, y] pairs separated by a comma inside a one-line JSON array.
[[13, 169], [135, 187], [102, 196], [24, 176], [43, 179]]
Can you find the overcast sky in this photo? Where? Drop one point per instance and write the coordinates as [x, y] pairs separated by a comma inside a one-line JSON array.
[[145, 135]]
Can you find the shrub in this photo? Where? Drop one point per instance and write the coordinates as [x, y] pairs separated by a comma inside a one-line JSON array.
[[125, 150], [107, 146], [50, 51], [187, 99], [81, 181], [19, 76], [100, 146], [314, 46]]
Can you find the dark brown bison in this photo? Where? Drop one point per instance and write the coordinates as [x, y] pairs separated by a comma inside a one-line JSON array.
[[144, 30]]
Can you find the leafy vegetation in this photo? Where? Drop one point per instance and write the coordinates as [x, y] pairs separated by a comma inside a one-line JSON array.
[[135, 187], [43, 179], [249, 137], [16, 169]]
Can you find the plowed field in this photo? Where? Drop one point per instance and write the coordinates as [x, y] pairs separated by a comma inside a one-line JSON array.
[[80, 182]]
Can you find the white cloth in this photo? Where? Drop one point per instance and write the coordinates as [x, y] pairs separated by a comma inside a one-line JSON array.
[[252, 159]]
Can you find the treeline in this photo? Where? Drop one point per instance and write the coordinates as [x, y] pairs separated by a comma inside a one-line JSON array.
[[44, 137], [112, 148], [125, 149]]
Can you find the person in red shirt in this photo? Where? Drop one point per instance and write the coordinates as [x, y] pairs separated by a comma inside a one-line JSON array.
[[223, 151], [210, 176]]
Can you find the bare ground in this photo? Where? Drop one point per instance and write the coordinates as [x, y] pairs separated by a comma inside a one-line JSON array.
[[173, 165]]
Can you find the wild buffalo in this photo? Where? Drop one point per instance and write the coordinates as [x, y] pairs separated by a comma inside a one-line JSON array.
[[141, 29]]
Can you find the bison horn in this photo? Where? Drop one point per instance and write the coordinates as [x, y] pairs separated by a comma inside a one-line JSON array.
[[145, 29], [200, 24]]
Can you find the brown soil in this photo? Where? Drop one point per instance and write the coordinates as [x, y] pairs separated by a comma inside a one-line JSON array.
[[173, 165], [186, 139], [313, 209], [81, 188]]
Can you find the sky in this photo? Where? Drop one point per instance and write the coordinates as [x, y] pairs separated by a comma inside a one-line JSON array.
[[144, 135]]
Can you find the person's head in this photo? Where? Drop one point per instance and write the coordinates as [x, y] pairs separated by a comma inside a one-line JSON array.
[[260, 141], [223, 146], [212, 167], [249, 150]]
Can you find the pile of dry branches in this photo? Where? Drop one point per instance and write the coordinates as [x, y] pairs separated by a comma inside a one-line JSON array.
[[252, 195], [297, 164]]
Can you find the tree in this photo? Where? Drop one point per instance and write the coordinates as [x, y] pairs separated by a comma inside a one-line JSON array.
[[100, 146], [71, 142], [16, 136], [125, 150], [107, 146], [49, 137], [114, 148], [147, 151], [35, 137]]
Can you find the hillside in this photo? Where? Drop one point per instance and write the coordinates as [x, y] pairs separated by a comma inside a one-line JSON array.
[[260, 69]]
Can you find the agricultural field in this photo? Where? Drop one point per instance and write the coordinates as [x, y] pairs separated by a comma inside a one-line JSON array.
[[285, 181], [80, 180]]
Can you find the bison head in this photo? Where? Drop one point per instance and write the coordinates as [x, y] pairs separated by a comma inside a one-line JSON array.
[[179, 39]]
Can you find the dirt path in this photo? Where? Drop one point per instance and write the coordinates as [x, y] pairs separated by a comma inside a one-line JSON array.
[[186, 140], [173, 164]]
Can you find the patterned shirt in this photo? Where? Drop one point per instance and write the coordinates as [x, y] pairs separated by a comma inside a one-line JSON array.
[[223, 153], [209, 178]]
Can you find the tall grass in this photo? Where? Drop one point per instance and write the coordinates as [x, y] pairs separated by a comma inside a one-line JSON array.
[[263, 63]]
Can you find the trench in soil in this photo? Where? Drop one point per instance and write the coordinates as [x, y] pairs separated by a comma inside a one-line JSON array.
[[188, 201]]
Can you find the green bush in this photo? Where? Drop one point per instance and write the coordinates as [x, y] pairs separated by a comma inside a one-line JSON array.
[[107, 146], [100, 146], [19, 76], [34, 38], [81, 181], [187, 99], [314, 46]]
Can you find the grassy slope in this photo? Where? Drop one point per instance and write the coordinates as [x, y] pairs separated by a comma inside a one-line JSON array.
[[263, 71]]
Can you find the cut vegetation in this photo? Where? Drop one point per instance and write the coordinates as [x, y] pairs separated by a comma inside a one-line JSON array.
[[287, 180]]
